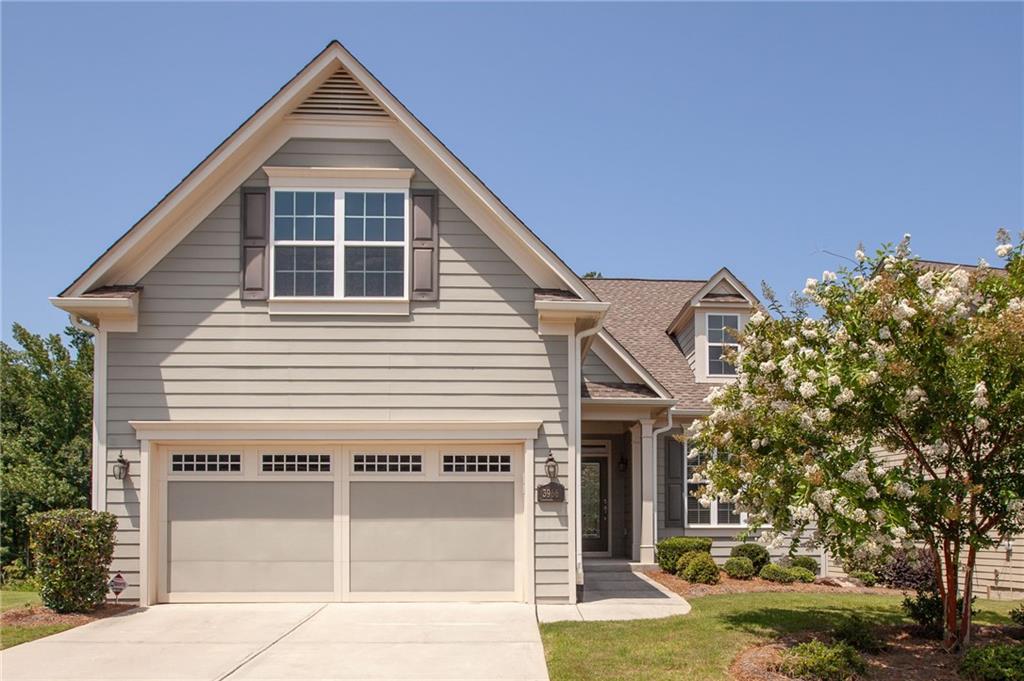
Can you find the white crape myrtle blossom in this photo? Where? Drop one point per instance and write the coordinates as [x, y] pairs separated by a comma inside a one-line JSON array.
[[900, 358]]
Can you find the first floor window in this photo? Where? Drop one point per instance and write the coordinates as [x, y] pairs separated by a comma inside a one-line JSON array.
[[369, 245], [719, 512]]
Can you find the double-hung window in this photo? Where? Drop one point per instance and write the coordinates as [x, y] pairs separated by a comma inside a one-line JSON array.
[[722, 330], [719, 512], [340, 243]]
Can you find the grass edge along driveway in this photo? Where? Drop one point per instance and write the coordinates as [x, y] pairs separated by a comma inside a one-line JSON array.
[[700, 646], [15, 634]]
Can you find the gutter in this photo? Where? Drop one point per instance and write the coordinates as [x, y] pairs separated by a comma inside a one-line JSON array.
[[577, 428], [654, 472], [98, 384]]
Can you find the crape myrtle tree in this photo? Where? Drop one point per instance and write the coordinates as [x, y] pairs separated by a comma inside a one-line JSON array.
[[894, 418]]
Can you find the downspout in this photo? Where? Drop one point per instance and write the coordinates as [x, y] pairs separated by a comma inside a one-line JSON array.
[[577, 439], [97, 469], [654, 437]]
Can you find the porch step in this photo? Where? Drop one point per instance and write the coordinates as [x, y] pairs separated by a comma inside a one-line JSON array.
[[606, 566], [608, 576]]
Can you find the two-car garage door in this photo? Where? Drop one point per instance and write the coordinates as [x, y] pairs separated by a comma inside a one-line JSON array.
[[341, 522]]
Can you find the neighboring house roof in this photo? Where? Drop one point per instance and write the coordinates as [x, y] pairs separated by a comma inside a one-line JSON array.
[[641, 312], [167, 222]]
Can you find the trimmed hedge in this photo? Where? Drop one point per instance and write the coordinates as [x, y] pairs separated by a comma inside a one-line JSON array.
[[669, 550], [702, 569], [685, 560], [1003, 662], [805, 562], [739, 567], [776, 573], [757, 554], [801, 574], [72, 549]]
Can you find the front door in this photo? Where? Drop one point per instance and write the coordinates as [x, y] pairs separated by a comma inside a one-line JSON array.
[[594, 483]]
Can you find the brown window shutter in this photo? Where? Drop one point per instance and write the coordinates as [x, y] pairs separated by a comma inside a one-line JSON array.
[[675, 485], [255, 238], [423, 281]]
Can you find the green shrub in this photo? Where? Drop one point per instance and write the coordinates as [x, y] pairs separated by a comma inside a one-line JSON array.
[[16, 577], [757, 554], [801, 574], [856, 631], [702, 569], [805, 562], [669, 550], [1017, 615], [823, 662], [739, 567], [865, 577], [72, 550], [926, 610], [685, 559], [776, 573], [994, 663]]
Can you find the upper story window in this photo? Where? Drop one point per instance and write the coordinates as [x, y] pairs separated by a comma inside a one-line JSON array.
[[722, 331], [369, 251]]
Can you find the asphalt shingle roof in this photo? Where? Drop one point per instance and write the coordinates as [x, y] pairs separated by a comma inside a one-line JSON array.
[[640, 314]]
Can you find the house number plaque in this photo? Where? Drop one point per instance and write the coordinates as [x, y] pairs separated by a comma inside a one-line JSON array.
[[553, 492]]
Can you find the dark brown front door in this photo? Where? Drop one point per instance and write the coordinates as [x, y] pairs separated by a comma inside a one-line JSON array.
[[594, 484]]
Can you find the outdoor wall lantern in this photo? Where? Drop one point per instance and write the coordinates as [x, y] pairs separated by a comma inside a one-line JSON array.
[[553, 491], [551, 467], [121, 467]]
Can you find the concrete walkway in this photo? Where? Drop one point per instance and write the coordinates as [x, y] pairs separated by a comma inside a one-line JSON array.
[[214, 642], [614, 591]]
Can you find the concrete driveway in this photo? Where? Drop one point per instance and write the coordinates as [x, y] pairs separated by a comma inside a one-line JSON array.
[[292, 641]]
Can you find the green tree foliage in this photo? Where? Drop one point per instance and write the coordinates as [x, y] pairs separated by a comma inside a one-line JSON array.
[[926, 363], [593, 274], [46, 430]]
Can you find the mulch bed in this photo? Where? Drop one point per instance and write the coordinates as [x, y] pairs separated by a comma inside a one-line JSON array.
[[740, 586], [909, 657], [40, 615]]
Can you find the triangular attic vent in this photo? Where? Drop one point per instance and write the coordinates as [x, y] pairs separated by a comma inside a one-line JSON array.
[[341, 95]]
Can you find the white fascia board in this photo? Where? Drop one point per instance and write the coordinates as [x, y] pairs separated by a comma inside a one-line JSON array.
[[181, 431], [111, 314], [696, 301]]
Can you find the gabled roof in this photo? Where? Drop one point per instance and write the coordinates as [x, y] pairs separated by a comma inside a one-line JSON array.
[[333, 88], [723, 288], [641, 313]]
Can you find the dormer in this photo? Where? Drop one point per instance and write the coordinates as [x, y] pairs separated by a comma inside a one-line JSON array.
[[708, 325]]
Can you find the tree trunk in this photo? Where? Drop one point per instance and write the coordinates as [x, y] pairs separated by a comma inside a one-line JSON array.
[[950, 630], [965, 612]]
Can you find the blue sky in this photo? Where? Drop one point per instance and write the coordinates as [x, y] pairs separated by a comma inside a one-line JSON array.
[[654, 140]]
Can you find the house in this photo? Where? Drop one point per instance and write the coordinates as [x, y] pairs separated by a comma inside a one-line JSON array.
[[332, 365]]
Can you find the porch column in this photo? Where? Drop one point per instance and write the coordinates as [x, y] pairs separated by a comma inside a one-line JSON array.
[[647, 490], [635, 467]]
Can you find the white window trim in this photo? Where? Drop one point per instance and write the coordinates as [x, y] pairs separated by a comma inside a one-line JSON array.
[[339, 181], [714, 504], [708, 344]]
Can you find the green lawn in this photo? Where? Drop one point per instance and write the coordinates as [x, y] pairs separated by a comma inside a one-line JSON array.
[[12, 636], [700, 646], [16, 599]]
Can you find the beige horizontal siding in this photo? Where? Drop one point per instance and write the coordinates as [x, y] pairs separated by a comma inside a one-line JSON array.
[[201, 353], [596, 370]]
